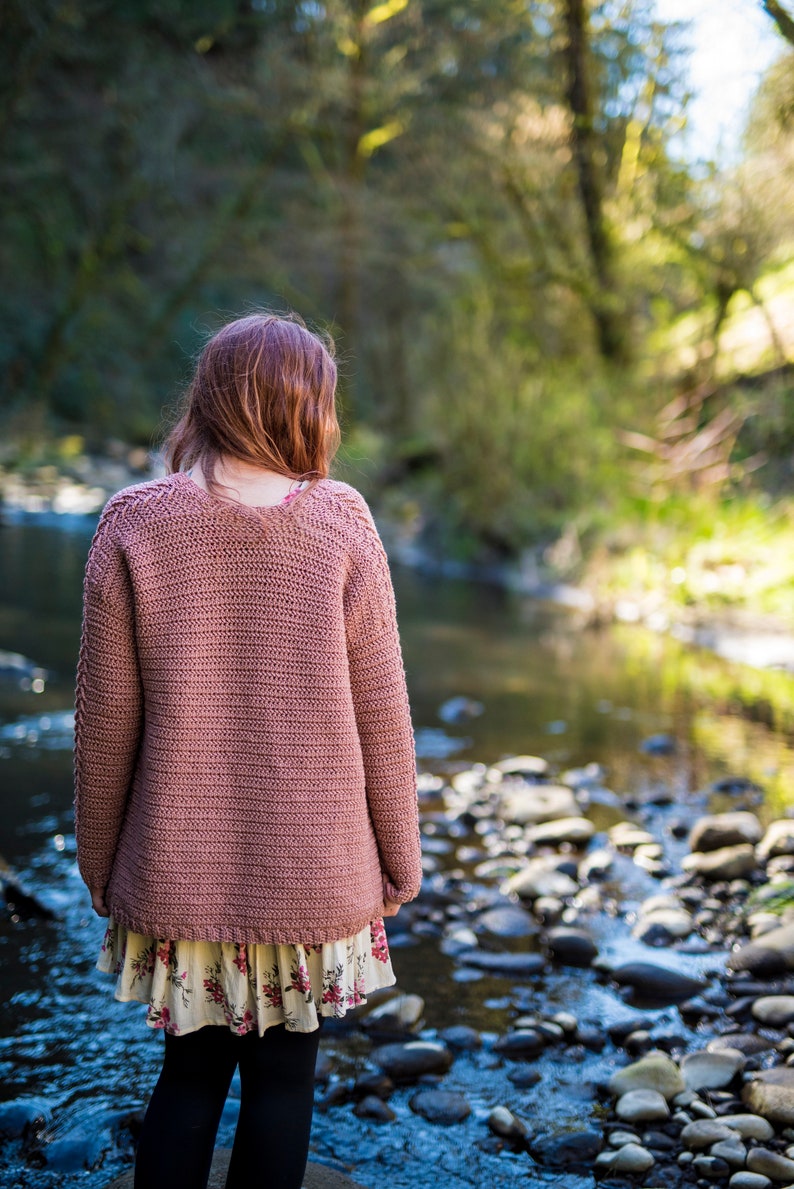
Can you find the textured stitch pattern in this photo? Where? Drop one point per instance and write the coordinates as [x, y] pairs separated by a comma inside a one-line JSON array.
[[244, 763]]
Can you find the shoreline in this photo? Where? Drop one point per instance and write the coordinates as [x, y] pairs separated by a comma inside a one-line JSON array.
[[736, 634]]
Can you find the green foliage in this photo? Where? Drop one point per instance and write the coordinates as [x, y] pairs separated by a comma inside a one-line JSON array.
[[411, 174]]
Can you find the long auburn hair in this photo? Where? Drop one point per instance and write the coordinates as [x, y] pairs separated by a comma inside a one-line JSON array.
[[263, 393]]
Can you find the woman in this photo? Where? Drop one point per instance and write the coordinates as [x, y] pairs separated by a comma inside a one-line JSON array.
[[245, 777]]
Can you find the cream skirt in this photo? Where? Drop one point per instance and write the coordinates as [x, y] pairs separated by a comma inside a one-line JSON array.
[[187, 984]]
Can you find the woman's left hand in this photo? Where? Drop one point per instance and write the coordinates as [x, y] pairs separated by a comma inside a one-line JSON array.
[[99, 903], [390, 907]]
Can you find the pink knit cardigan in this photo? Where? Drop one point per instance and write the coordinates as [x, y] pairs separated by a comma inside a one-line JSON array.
[[244, 760]]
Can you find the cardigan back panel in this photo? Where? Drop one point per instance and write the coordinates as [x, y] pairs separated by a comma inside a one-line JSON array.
[[244, 762]]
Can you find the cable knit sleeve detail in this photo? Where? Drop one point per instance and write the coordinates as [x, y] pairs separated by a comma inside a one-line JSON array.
[[108, 702], [381, 707]]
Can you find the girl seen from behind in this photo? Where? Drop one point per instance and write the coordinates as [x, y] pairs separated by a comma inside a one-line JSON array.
[[245, 776]]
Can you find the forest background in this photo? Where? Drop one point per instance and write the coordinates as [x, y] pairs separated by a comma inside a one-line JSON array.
[[563, 345]]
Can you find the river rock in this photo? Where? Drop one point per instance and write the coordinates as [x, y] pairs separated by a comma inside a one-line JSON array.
[[771, 1094], [630, 1158], [461, 1036], [732, 1151], [729, 862], [748, 1180], [521, 1045], [642, 1106], [540, 877], [718, 830], [405, 1062], [705, 1132], [628, 836], [663, 926], [507, 920], [444, 1107], [401, 1014], [749, 1126], [748, 1043], [657, 983], [778, 840], [706, 1070], [711, 1168], [504, 1123], [563, 1151], [374, 1108], [770, 1164], [774, 1010], [529, 805], [529, 767], [772, 954], [571, 947], [654, 1071], [575, 830], [513, 965]]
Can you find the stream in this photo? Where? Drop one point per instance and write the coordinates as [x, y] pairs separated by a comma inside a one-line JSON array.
[[649, 728]]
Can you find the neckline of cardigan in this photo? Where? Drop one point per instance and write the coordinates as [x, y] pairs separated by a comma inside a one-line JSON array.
[[215, 501]]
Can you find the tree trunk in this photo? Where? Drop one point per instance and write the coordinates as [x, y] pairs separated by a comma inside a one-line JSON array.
[[605, 302]]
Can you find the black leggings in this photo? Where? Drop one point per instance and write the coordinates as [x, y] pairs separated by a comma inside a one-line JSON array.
[[271, 1143]]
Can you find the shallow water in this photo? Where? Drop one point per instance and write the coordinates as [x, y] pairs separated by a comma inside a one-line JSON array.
[[547, 687]]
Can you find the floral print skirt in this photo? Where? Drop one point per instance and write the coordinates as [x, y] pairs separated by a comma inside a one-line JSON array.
[[187, 984]]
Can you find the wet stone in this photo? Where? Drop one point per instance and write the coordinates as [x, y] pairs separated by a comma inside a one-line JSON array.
[[711, 1071], [771, 1094], [656, 1071], [729, 862], [657, 983], [749, 1180], [374, 1108], [378, 1084], [507, 920], [575, 830], [732, 1151], [718, 830], [522, 1045], [460, 1036], [630, 1158], [578, 1147], [404, 1062], [641, 1106], [705, 1132], [504, 963], [770, 1164], [774, 1010], [443, 1107], [504, 1123], [749, 1126], [529, 805], [402, 1014], [524, 1079], [711, 1167], [570, 946]]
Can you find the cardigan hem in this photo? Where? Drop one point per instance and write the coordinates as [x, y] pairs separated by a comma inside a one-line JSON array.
[[235, 934]]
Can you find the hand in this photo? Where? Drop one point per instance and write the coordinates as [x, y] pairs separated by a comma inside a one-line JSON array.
[[390, 907], [99, 903]]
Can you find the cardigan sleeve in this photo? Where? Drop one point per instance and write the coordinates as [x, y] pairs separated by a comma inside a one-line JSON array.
[[383, 716], [108, 704]]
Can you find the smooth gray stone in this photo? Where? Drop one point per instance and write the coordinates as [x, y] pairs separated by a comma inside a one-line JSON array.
[[717, 830], [770, 1164], [440, 1106], [570, 946], [657, 983], [318, 1176], [404, 1062], [748, 1180], [771, 1094]]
